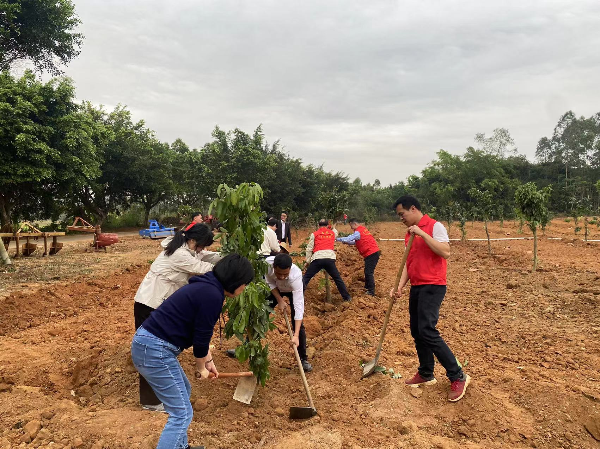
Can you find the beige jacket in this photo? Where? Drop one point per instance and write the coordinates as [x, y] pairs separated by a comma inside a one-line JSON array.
[[169, 273]]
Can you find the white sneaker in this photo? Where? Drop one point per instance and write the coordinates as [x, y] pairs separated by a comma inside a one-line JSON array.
[[155, 408]]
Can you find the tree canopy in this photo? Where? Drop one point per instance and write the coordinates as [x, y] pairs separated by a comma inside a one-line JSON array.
[[69, 158], [40, 31]]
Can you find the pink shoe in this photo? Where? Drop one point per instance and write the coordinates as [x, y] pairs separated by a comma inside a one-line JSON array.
[[418, 380], [458, 388]]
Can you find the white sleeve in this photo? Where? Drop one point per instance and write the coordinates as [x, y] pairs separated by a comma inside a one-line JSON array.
[[439, 233], [209, 256], [270, 277], [187, 263], [273, 243], [309, 248], [298, 297]]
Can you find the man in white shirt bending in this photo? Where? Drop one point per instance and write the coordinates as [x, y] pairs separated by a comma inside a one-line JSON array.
[[284, 278]]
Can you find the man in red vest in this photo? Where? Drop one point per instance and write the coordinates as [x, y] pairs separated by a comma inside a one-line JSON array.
[[367, 248], [426, 270], [321, 256]]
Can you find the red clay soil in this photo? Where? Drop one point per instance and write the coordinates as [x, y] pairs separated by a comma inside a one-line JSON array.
[[529, 341]]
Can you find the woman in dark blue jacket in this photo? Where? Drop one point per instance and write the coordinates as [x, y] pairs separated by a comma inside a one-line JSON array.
[[186, 318]]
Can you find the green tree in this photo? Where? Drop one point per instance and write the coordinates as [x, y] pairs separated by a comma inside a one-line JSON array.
[[484, 200], [462, 215], [249, 314], [40, 31], [533, 207], [500, 144], [150, 171], [46, 147], [131, 158]]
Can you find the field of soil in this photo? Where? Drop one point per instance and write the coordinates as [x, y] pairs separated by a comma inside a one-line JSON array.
[[530, 341]]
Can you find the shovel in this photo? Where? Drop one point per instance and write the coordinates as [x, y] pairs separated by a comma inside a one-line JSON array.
[[370, 367], [300, 412], [245, 387]]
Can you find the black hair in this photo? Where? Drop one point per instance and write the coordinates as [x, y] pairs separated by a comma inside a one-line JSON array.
[[195, 214], [323, 222], [272, 221], [232, 271], [407, 201], [283, 261], [283, 212], [354, 220], [199, 232]]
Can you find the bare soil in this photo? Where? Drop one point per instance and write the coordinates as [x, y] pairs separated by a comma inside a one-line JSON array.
[[529, 341]]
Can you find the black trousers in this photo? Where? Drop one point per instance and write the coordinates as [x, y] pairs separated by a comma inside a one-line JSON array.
[[424, 310], [147, 396], [370, 264], [302, 334], [329, 266]]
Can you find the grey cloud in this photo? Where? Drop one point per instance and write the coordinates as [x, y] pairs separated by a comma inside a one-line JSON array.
[[370, 88]]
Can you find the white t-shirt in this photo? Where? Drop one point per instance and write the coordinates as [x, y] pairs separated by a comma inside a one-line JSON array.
[[439, 233], [293, 283], [283, 231]]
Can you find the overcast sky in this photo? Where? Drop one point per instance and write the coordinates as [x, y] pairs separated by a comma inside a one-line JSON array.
[[370, 88]]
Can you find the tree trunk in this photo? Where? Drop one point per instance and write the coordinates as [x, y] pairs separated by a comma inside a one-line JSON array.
[[535, 259], [488, 238], [4, 213], [146, 214], [101, 216], [4, 254], [585, 225], [327, 288]]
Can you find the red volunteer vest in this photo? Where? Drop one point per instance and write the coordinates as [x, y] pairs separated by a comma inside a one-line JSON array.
[[367, 244], [324, 239], [423, 265]]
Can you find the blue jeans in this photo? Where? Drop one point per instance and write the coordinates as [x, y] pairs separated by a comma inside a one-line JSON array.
[[156, 360]]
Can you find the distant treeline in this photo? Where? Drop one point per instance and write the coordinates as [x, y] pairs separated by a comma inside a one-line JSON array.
[[60, 158]]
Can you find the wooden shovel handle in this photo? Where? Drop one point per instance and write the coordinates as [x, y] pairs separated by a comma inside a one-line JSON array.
[[308, 395], [404, 257], [225, 375], [392, 299]]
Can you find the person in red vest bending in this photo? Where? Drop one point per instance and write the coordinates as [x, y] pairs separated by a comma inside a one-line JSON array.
[[367, 248], [426, 270], [321, 256]]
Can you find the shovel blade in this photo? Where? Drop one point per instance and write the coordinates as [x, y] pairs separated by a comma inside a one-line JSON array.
[[302, 412], [369, 368], [245, 389]]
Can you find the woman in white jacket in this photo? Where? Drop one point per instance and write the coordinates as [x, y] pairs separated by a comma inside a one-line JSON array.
[[184, 256]]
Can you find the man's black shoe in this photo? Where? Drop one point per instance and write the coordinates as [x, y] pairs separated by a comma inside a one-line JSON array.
[[348, 299], [307, 367]]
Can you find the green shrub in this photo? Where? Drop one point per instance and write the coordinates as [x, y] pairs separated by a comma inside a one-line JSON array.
[[131, 218]]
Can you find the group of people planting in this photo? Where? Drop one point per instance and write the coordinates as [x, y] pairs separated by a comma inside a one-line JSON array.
[[181, 297]]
